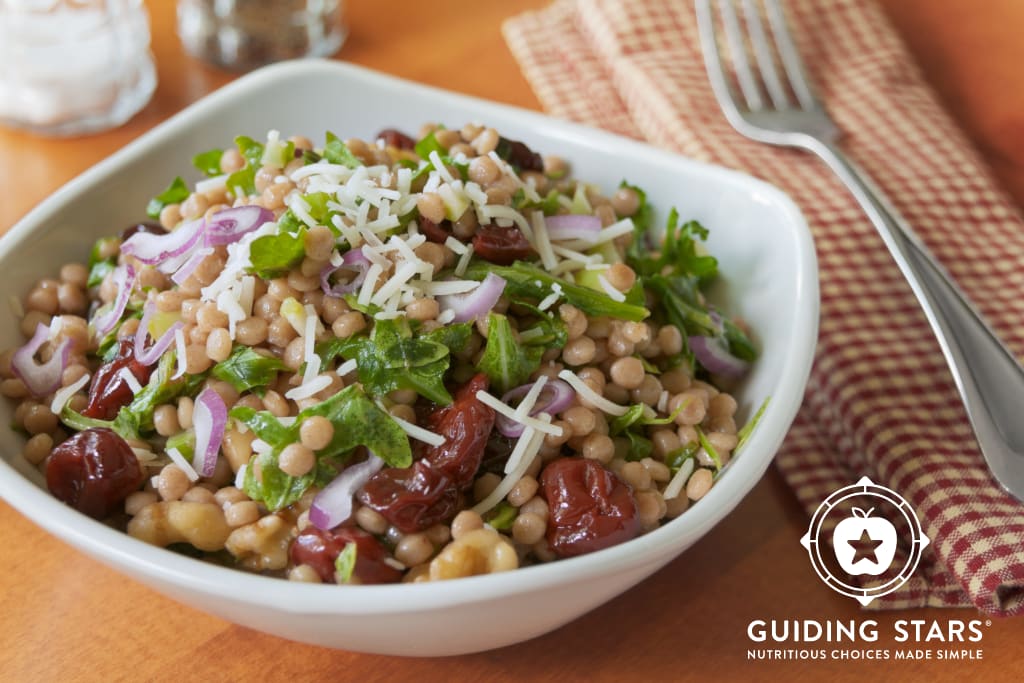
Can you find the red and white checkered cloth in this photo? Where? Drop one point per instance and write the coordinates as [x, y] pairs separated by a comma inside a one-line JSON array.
[[880, 401]]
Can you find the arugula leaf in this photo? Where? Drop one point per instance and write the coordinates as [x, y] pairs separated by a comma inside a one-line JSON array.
[[251, 150], [453, 336], [505, 361], [676, 458], [274, 255], [175, 193], [80, 423], [640, 447], [98, 266], [336, 152], [525, 280], [427, 145], [549, 204], [549, 331], [739, 343], [184, 442], [391, 358], [345, 563], [357, 421], [208, 162], [137, 416], [242, 182], [622, 422], [245, 369]]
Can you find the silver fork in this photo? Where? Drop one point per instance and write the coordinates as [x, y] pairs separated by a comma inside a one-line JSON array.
[[775, 103]]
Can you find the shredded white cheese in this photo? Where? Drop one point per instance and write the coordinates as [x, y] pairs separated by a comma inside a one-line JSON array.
[[182, 350], [130, 379], [61, 398], [307, 389], [543, 242], [590, 395], [240, 476], [446, 316], [675, 486], [455, 245], [523, 454], [463, 264], [178, 459], [372, 275], [548, 301], [508, 411], [419, 433], [613, 294], [347, 367]]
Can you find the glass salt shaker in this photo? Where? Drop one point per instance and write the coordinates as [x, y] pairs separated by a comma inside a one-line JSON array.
[[244, 34], [69, 67]]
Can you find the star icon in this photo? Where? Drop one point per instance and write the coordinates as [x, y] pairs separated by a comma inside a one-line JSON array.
[[865, 548]]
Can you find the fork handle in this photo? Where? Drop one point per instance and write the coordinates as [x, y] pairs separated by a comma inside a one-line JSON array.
[[988, 377]]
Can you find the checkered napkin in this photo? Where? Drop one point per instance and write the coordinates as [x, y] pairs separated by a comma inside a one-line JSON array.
[[880, 401]]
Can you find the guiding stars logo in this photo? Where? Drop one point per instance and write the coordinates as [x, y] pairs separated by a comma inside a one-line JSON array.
[[863, 520]]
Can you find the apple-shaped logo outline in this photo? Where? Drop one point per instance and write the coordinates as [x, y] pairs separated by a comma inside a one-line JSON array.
[[864, 544], [812, 541]]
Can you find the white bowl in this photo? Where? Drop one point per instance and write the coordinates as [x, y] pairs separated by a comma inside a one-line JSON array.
[[769, 278]]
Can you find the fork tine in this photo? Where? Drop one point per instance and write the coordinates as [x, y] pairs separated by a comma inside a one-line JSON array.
[[790, 56], [763, 55], [720, 84], [738, 53]]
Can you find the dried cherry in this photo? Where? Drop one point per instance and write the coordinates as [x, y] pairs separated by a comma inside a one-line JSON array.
[[591, 508], [519, 155], [501, 245], [145, 226], [435, 232], [319, 549], [466, 425], [108, 391], [396, 138], [93, 472], [412, 498]]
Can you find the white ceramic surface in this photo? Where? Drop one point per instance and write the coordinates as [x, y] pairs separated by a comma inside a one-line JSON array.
[[769, 278]]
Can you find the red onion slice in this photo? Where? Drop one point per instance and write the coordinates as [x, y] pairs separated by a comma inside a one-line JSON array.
[[209, 417], [40, 378], [475, 303], [573, 227], [153, 353], [124, 280], [555, 397], [228, 226], [354, 260], [189, 267], [333, 505], [715, 357], [153, 249]]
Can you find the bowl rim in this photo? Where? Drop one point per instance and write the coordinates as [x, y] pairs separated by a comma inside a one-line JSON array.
[[119, 550]]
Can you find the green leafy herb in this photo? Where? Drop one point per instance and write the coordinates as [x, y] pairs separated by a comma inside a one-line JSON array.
[[505, 361], [246, 369], [175, 193], [527, 281], [99, 267], [336, 152], [623, 422], [502, 516], [453, 336], [251, 150], [274, 255], [747, 429], [549, 331], [391, 358], [427, 145], [208, 162], [709, 449], [357, 421], [643, 220], [345, 563], [137, 417], [549, 204], [184, 442], [640, 447], [242, 182], [676, 458]]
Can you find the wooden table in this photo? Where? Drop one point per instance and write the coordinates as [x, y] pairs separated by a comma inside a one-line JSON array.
[[67, 618]]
